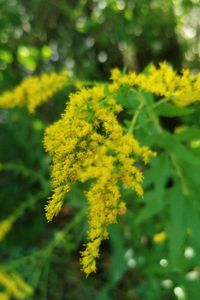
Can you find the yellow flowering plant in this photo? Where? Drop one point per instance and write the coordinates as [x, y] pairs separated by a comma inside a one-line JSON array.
[[14, 286], [93, 147], [104, 141]]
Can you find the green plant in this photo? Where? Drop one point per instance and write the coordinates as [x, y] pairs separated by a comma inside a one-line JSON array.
[[95, 148]]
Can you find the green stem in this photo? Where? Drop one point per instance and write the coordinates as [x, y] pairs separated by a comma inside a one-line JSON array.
[[162, 100], [46, 251], [134, 119], [154, 118], [150, 111]]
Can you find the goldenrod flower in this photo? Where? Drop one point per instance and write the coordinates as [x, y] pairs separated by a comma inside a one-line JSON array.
[[88, 143], [34, 91], [5, 296], [14, 285], [5, 226], [182, 89]]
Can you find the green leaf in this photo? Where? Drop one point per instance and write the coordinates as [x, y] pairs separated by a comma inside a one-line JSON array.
[[127, 98], [172, 145], [170, 110], [148, 97], [193, 220], [153, 206], [157, 176], [189, 134], [118, 262], [176, 227]]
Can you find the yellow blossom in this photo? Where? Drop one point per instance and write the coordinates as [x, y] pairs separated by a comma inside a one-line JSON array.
[[34, 91], [14, 285], [163, 81], [88, 143], [115, 74], [5, 296], [5, 226], [122, 208], [160, 237]]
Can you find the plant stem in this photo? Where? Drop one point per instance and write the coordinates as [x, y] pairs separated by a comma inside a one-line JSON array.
[[150, 111], [134, 119], [162, 100]]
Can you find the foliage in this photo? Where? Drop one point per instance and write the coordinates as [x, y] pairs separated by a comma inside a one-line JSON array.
[[152, 253], [90, 37], [153, 250]]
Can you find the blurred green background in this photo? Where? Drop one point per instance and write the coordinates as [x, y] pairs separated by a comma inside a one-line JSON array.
[[89, 38]]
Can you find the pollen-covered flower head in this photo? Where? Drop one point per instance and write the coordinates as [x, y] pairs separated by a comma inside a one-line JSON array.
[[183, 89], [89, 144], [34, 91]]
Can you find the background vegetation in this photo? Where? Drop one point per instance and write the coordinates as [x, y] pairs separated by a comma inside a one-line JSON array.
[[89, 38]]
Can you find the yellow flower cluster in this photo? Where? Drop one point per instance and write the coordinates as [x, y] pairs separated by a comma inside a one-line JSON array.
[[4, 296], [14, 285], [183, 89], [89, 144], [34, 91], [5, 226]]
